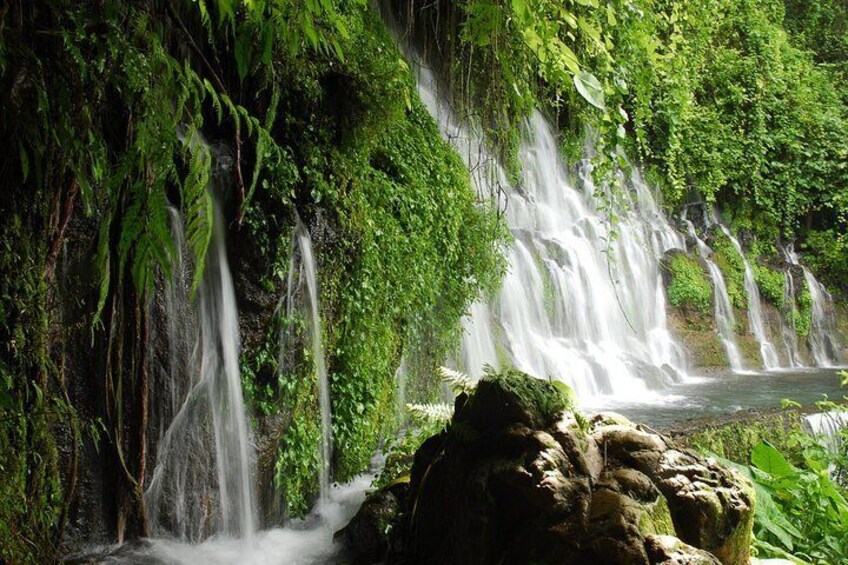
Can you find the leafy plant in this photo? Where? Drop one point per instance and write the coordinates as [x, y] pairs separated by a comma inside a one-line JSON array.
[[801, 512], [689, 286]]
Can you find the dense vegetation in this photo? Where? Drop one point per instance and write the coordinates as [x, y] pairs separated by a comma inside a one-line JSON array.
[[735, 102], [113, 110], [107, 107], [689, 288], [802, 499]]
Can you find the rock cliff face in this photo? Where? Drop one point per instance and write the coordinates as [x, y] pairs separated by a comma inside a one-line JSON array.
[[518, 479]]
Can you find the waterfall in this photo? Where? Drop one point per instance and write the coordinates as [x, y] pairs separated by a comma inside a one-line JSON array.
[[822, 338], [722, 309], [478, 341], [827, 428], [790, 336], [577, 303], [307, 270], [202, 482], [755, 312]]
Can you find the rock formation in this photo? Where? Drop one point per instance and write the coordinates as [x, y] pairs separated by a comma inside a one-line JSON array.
[[519, 478]]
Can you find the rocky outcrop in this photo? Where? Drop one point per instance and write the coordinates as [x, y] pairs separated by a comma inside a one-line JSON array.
[[516, 478], [366, 536]]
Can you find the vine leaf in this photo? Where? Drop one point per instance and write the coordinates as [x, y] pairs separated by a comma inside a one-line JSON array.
[[590, 89]]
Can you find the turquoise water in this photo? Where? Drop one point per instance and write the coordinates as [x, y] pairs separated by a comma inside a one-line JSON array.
[[725, 393]]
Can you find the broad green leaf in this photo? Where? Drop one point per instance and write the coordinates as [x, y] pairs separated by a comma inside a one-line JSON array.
[[766, 458], [590, 89]]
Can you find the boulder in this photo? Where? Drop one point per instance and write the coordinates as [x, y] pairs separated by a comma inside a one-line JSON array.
[[668, 550], [517, 478], [366, 537]]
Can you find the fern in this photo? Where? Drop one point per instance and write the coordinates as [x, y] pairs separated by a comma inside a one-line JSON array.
[[457, 381], [437, 413]]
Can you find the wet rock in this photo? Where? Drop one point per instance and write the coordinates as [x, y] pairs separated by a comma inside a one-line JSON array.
[[366, 537], [668, 550], [516, 479], [711, 506]]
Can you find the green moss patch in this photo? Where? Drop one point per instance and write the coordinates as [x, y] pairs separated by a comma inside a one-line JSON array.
[[732, 267], [689, 287], [771, 284]]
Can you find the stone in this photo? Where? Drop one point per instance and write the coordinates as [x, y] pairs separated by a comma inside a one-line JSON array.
[[516, 479], [579, 447], [365, 538], [711, 505], [668, 550], [630, 446]]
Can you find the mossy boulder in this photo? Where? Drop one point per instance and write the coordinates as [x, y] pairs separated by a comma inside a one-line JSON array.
[[518, 478]]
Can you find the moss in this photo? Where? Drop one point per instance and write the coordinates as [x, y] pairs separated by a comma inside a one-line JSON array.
[[657, 521], [700, 340], [689, 287], [735, 440], [732, 267], [749, 349], [771, 284], [802, 314], [546, 400]]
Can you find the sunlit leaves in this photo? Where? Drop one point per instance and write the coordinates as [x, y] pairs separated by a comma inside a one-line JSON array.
[[590, 89]]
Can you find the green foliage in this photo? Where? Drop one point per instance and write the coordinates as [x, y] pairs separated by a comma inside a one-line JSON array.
[[822, 27], [826, 252], [402, 242], [549, 400], [298, 457], [689, 286], [771, 284], [717, 97], [732, 267], [735, 440], [31, 493], [801, 511], [802, 312]]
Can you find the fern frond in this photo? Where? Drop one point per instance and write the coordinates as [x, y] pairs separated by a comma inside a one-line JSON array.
[[197, 202], [458, 382], [440, 413]]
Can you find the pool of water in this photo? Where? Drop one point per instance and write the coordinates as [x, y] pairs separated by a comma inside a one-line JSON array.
[[724, 393], [302, 542], [310, 542]]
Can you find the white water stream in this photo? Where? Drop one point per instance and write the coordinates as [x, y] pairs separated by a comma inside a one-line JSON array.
[[576, 304], [209, 430], [309, 271], [755, 309], [822, 338], [722, 309]]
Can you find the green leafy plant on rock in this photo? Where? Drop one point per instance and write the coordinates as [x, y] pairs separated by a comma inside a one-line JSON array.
[[771, 284], [689, 286]]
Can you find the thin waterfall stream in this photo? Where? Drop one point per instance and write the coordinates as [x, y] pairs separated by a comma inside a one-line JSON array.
[[722, 309], [755, 310], [822, 333], [309, 271], [209, 430]]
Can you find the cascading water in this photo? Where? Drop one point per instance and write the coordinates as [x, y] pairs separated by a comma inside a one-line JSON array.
[[790, 336], [722, 309], [308, 272], [185, 497], [755, 311], [827, 428], [822, 335], [576, 304]]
